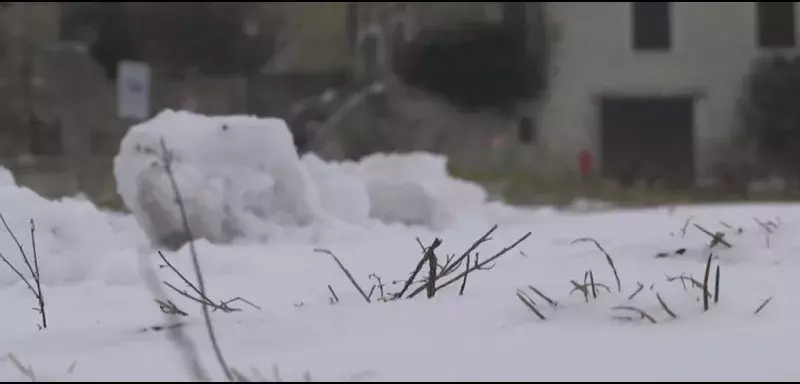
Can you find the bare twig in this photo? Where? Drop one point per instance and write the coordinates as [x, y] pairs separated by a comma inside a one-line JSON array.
[[334, 299], [686, 225], [641, 287], [167, 160], [695, 284], [436, 243], [32, 269], [542, 295], [464, 282], [716, 286], [27, 372], [469, 250], [379, 285], [346, 272], [705, 282], [666, 308], [763, 304], [431, 272], [579, 287], [477, 266], [716, 238], [608, 258], [529, 303], [169, 308], [642, 313], [174, 333]]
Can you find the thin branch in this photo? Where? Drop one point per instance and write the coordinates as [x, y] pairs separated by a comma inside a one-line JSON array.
[[436, 243], [642, 313], [477, 266], [641, 287], [717, 238], [608, 258], [167, 159], [346, 272], [542, 295], [469, 250], [335, 297], [763, 304], [464, 282], [666, 308], [529, 303]]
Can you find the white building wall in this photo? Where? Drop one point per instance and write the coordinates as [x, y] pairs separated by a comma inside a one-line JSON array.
[[713, 45]]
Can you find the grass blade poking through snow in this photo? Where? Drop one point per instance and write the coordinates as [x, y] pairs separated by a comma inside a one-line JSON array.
[[542, 295], [705, 283], [591, 281], [464, 282], [641, 287], [346, 272], [764, 304], [716, 286], [642, 313], [608, 258], [666, 308], [529, 303]]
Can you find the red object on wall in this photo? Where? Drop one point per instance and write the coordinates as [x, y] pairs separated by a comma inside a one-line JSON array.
[[585, 162]]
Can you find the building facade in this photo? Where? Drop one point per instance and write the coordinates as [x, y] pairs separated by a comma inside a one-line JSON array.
[[651, 89]]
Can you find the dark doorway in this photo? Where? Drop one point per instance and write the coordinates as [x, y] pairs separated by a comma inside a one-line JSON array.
[[648, 138]]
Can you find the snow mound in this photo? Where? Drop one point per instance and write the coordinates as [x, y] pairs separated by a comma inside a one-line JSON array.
[[237, 175], [241, 178], [67, 250], [412, 189]]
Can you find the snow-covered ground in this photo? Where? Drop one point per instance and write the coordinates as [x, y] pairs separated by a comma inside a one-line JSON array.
[[100, 310]]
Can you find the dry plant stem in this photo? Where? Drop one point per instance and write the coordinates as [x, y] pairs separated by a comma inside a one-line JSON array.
[[716, 286], [464, 282], [167, 157], [581, 288], [469, 250], [174, 332], [431, 273], [38, 278], [542, 295], [666, 308], [477, 266], [642, 313], [608, 258], [346, 272], [764, 304], [436, 243], [27, 372], [686, 226], [591, 281], [335, 297], [37, 292], [641, 287], [705, 282], [715, 238], [530, 304]]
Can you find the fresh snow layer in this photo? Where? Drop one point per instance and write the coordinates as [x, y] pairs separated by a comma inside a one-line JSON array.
[[240, 178], [98, 307], [100, 311]]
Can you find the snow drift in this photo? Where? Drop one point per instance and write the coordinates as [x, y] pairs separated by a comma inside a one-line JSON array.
[[241, 178], [72, 236]]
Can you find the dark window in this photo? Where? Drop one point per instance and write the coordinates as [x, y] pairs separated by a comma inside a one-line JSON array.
[[526, 131], [651, 25], [775, 24]]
